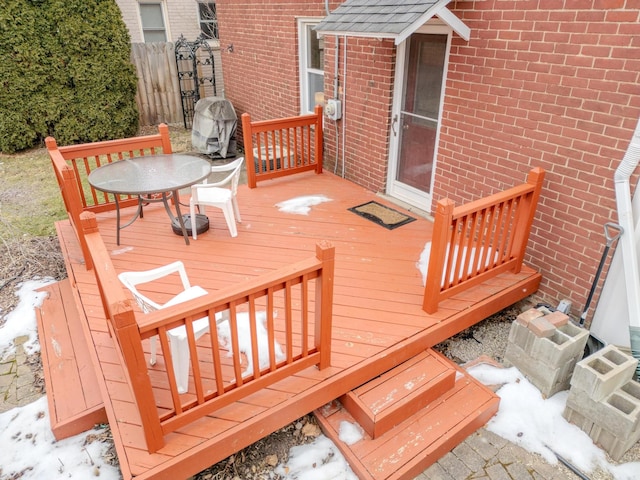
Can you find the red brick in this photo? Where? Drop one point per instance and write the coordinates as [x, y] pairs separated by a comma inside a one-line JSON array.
[[541, 327], [557, 319], [527, 316]]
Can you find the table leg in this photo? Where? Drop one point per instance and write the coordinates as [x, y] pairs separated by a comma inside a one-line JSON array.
[[137, 214], [115, 197], [171, 217]]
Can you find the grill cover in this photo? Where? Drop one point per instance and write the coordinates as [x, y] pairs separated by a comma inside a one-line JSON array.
[[214, 126]]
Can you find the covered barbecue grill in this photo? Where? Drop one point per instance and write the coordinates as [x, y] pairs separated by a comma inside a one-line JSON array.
[[214, 127]]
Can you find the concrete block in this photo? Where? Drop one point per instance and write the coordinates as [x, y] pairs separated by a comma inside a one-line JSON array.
[[525, 317], [613, 423], [549, 380], [603, 372], [618, 413], [521, 336], [566, 342], [615, 446], [575, 417], [541, 328], [558, 319]]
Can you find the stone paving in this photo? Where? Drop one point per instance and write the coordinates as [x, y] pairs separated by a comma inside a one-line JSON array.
[[487, 456], [17, 379]]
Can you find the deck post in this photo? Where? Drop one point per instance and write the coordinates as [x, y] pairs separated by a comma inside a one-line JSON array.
[[318, 139], [70, 195], [522, 230], [163, 129], [128, 335], [324, 302], [438, 255], [248, 151]]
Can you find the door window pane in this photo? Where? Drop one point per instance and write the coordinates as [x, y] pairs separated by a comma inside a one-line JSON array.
[[421, 106]]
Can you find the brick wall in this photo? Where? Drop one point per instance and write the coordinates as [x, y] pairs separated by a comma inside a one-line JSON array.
[[545, 83], [553, 84], [367, 94], [261, 71]]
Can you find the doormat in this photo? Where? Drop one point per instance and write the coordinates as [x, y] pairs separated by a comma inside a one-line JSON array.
[[385, 216]]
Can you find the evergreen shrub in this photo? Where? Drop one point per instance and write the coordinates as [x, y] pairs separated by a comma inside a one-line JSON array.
[[65, 71]]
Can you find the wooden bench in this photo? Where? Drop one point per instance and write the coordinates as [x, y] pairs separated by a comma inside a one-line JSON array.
[[284, 146], [476, 241], [72, 165]]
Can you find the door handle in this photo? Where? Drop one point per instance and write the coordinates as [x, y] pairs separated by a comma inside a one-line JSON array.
[[393, 124]]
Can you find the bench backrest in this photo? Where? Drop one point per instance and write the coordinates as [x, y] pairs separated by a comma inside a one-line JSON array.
[[479, 240], [283, 146]]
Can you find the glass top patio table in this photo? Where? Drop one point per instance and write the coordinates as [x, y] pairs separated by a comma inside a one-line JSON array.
[[150, 175]]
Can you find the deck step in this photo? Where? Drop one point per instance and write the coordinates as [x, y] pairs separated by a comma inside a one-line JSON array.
[[422, 439], [384, 402], [73, 394]]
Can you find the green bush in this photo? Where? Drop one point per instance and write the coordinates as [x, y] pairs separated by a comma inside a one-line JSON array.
[[65, 71]]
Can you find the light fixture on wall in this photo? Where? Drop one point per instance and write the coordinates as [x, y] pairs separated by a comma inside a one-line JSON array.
[[319, 98], [230, 48]]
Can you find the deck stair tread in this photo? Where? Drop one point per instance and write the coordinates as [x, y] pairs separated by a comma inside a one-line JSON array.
[[73, 393], [382, 403], [423, 437]]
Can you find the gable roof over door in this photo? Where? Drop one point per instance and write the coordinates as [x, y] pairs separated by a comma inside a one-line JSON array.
[[396, 19]]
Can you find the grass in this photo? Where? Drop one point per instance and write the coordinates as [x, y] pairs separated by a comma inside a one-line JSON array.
[[30, 202]]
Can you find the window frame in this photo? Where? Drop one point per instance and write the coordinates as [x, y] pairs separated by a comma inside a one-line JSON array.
[[213, 22], [163, 13], [305, 26]]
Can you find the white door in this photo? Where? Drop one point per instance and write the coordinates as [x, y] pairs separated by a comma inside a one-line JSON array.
[[420, 79]]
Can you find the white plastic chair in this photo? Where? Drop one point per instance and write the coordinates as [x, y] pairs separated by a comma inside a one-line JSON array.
[[216, 195], [177, 336]]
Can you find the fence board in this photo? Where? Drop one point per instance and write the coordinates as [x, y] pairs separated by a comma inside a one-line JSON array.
[[158, 95]]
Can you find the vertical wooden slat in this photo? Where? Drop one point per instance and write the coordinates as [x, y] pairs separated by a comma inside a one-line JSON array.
[[288, 321], [304, 315], [215, 349], [271, 329], [235, 344], [254, 359]]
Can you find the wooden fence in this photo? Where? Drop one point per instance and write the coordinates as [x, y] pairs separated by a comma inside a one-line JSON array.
[[158, 96]]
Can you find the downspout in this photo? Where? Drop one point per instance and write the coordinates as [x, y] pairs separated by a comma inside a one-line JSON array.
[[627, 240]]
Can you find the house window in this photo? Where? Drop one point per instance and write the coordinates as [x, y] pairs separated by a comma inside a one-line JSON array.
[[311, 58], [153, 26], [208, 20]]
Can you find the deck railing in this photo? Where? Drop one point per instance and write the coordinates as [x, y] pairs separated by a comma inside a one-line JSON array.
[[284, 146], [84, 158], [292, 306], [478, 240], [73, 164]]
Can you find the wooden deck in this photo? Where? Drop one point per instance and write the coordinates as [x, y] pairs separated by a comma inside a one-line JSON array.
[[378, 320]]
